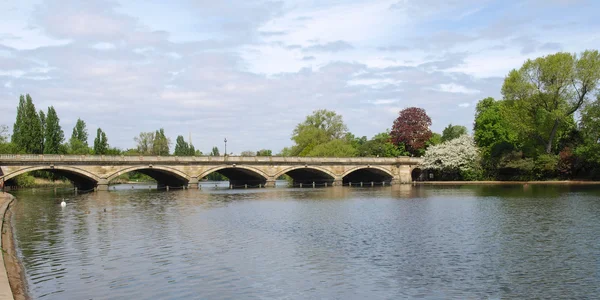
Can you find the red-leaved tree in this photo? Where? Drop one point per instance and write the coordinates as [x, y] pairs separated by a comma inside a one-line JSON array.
[[411, 128]]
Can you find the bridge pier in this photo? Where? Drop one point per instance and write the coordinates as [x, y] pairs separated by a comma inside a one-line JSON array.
[[338, 182], [102, 185], [193, 183]]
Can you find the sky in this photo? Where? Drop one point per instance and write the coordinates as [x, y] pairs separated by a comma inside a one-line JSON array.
[[250, 71]]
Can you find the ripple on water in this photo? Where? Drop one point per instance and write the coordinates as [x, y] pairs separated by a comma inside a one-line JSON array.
[[378, 243]]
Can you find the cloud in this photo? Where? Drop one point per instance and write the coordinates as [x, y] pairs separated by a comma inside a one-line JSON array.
[[336, 46], [222, 68], [456, 88]]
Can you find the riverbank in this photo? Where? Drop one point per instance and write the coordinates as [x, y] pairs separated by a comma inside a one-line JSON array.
[[549, 182], [12, 277]]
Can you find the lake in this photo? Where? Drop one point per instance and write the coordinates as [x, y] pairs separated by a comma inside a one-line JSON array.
[[432, 242]]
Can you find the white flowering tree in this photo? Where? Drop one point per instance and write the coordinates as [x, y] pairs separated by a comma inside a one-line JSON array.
[[456, 159]]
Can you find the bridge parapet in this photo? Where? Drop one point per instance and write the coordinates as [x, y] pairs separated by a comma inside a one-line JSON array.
[[179, 170], [17, 158]]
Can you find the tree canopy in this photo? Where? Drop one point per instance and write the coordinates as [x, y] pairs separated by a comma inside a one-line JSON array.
[[411, 129], [453, 131]]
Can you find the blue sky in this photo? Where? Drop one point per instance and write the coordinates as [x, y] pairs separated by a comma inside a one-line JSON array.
[[251, 70]]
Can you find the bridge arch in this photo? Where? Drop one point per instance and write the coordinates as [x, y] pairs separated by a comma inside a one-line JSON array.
[[308, 174], [239, 175], [367, 174], [80, 178], [164, 176]]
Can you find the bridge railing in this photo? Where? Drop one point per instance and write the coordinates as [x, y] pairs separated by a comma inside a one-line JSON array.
[[226, 159]]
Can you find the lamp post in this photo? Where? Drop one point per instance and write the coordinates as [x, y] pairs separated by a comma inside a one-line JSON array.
[[225, 153]]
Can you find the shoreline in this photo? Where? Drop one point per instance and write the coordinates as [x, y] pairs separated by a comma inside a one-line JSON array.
[[497, 182], [12, 278]]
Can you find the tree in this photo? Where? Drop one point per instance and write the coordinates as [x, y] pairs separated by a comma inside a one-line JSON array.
[[546, 91], [161, 143], [411, 128], [455, 159], [264, 152], [78, 143], [182, 148], [3, 133], [215, 152], [43, 130], [27, 131], [54, 135], [248, 153], [145, 143], [101, 143], [453, 131], [380, 145], [333, 148], [321, 127]]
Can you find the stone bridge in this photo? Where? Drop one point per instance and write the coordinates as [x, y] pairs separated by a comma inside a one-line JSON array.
[[89, 171]]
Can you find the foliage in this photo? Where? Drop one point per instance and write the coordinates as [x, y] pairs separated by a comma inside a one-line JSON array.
[[54, 134], [100, 143], [321, 127], [435, 139], [544, 92], [78, 143], [380, 146], [24, 180], [453, 131], [27, 130], [161, 143], [411, 128], [458, 157], [3, 134], [145, 143], [248, 153], [182, 148], [215, 151], [334, 148], [263, 152]]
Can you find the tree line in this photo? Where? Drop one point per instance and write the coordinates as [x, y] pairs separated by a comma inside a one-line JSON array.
[[547, 125]]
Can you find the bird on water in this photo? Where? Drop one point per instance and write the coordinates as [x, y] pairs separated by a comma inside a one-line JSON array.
[[63, 203]]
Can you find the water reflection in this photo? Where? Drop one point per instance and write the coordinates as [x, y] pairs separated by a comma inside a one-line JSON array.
[[338, 242]]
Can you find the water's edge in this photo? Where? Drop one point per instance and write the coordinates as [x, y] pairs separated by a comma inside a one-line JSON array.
[[12, 278]]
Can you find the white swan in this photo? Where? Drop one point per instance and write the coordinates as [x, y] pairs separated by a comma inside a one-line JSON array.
[[63, 203]]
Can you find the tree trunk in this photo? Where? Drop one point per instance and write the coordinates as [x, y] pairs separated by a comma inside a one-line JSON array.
[[551, 137]]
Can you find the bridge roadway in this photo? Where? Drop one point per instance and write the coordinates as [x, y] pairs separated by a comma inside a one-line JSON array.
[[97, 171]]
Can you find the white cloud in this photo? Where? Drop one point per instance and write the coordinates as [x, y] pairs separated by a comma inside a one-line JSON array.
[[456, 88]]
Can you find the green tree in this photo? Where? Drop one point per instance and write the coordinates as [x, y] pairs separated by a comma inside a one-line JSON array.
[[264, 152], [333, 148], [100, 143], [435, 139], [248, 153], [320, 128], [43, 123], [215, 152], [546, 91], [78, 143], [27, 131], [54, 135], [182, 148], [161, 143], [453, 131], [381, 146], [145, 143]]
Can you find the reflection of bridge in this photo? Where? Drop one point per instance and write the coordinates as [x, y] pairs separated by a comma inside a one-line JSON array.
[[88, 172]]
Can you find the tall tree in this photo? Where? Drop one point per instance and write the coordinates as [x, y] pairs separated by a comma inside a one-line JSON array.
[[248, 153], [27, 131], [3, 133], [453, 131], [182, 148], [100, 143], [43, 123], [54, 134], [80, 134], [321, 127], [546, 91], [411, 128], [145, 143], [19, 125], [214, 151], [161, 143]]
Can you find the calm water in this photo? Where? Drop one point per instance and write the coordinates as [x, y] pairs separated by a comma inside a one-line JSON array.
[[335, 243]]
